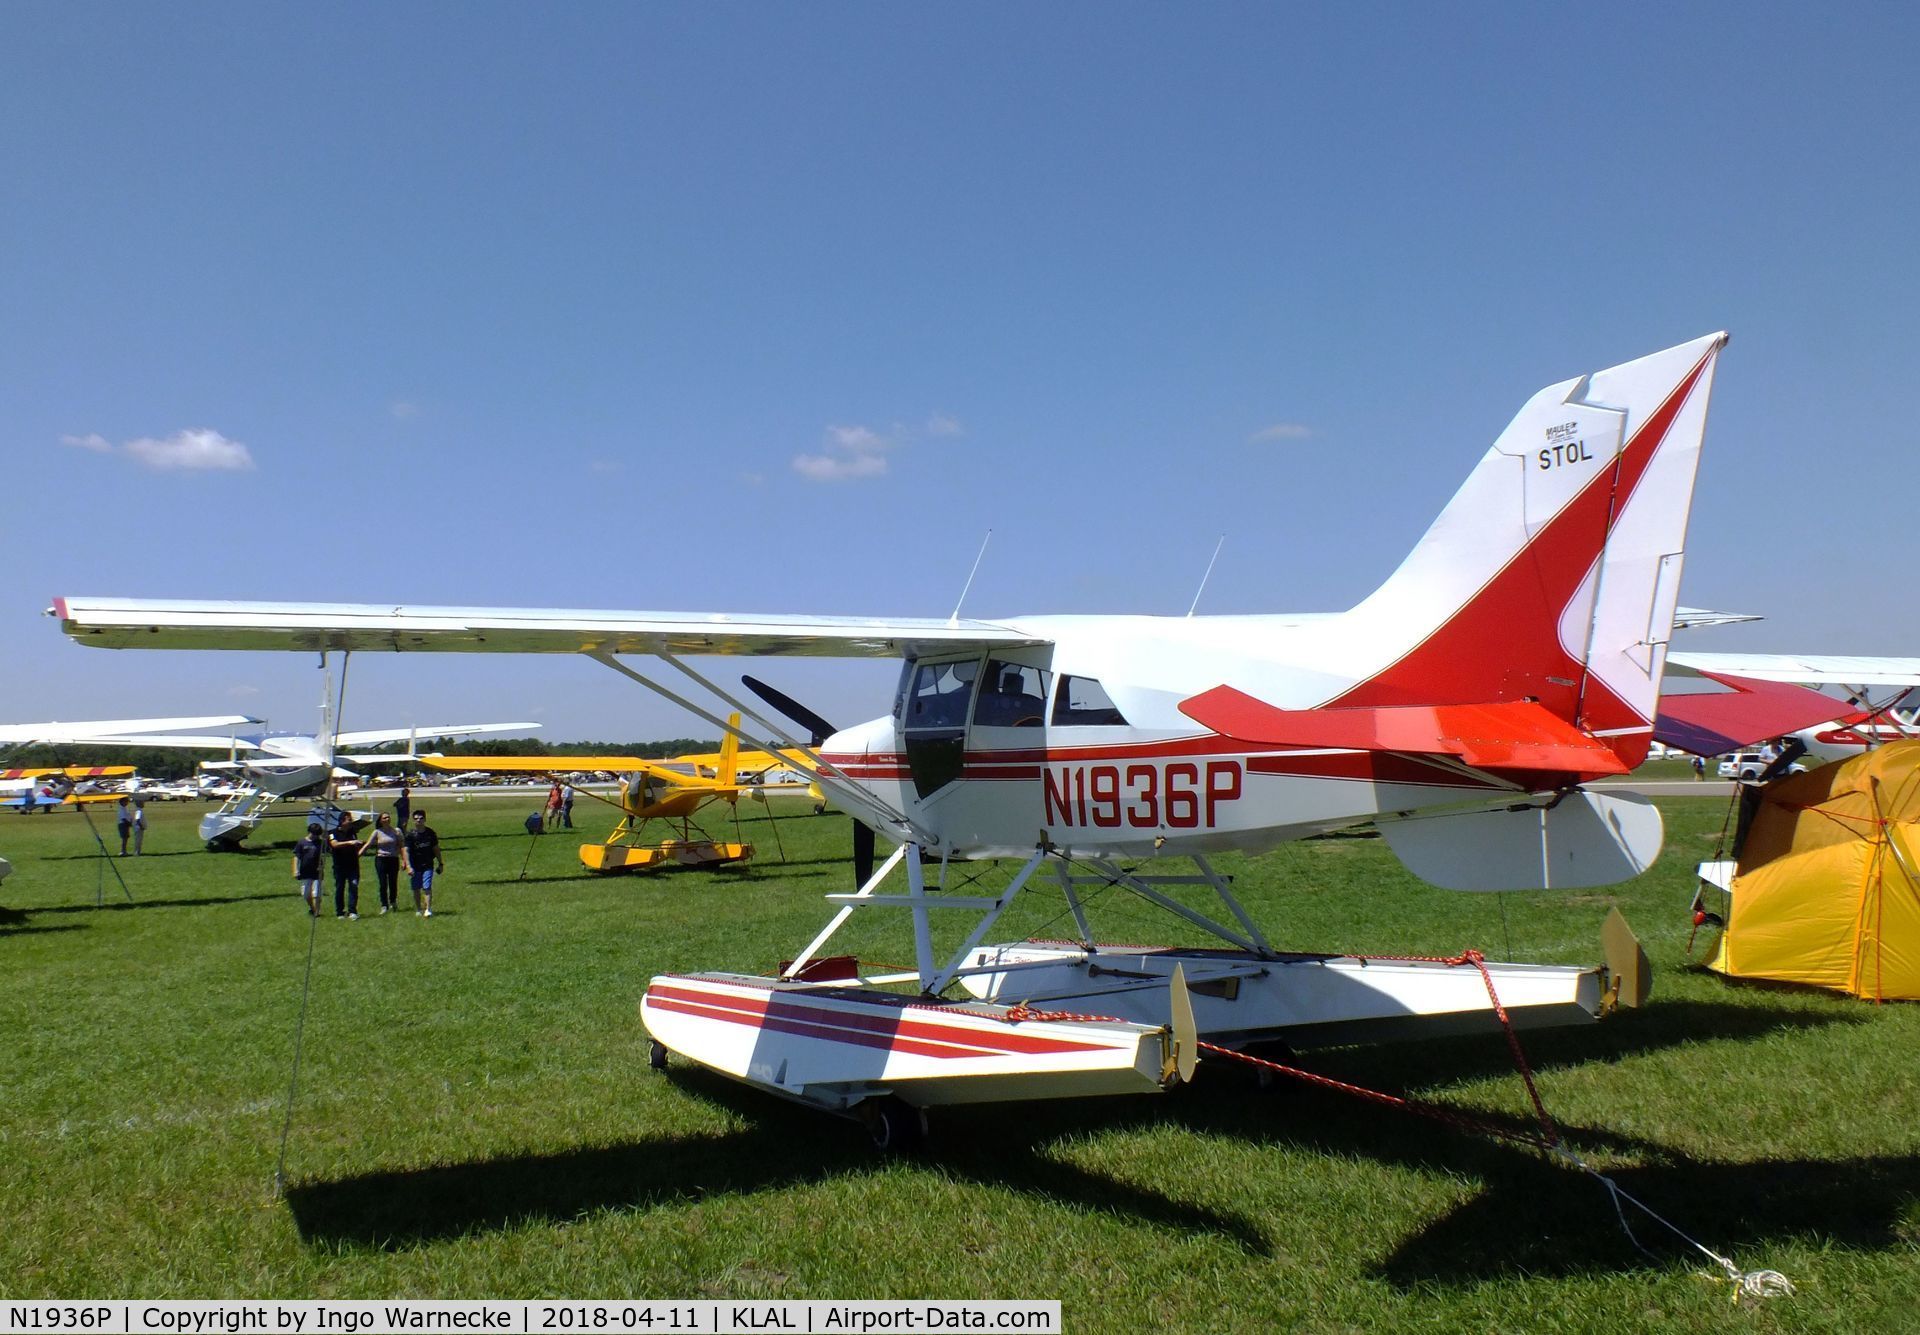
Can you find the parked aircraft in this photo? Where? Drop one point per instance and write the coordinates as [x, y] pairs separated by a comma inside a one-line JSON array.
[[1517, 652], [270, 767], [670, 791], [42, 789]]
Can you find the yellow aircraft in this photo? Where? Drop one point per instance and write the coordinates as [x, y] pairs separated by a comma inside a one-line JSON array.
[[669, 790], [45, 787]]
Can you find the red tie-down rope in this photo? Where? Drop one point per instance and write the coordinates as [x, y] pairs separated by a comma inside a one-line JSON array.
[[1749, 1285]]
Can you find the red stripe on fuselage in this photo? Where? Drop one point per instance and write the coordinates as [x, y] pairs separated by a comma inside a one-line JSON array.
[[1302, 763]]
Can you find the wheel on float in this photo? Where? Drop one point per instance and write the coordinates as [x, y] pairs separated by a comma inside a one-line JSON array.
[[895, 1126], [657, 1054]]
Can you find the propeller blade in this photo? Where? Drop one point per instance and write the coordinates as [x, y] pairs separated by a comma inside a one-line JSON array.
[[862, 853], [783, 703]]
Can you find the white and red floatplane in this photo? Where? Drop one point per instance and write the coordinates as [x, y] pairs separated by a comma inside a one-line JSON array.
[[1516, 654]]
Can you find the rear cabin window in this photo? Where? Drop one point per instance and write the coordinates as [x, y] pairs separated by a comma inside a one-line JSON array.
[[1084, 703], [1011, 696], [940, 693]]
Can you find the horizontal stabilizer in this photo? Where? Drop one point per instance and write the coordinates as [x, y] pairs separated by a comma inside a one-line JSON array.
[[1747, 711], [1516, 734], [1584, 839]]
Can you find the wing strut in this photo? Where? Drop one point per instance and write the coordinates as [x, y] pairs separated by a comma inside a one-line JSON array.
[[844, 788]]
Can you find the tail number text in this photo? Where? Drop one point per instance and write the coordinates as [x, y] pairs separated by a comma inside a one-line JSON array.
[[1181, 795]]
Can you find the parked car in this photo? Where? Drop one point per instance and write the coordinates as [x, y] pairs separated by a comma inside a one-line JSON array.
[[1748, 766]]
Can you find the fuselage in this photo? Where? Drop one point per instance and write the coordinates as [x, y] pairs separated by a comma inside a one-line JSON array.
[[1079, 743]]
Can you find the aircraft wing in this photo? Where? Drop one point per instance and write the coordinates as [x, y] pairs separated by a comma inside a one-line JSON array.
[[1748, 710], [1693, 618], [563, 765], [123, 623], [1803, 669], [189, 741], [65, 734], [374, 737], [63, 800], [70, 772]]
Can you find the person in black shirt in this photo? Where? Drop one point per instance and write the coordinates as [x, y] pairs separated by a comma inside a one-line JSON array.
[[403, 805], [346, 871], [306, 867], [423, 863]]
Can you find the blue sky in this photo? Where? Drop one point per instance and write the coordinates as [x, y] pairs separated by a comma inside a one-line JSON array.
[[781, 308]]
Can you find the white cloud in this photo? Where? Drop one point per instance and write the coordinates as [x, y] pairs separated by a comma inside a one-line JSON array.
[[753, 479], [196, 449], [199, 449], [604, 466], [852, 452], [861, 451], [1281, 431], [839, 468], [857, 439], [403, 409], [242, 692]]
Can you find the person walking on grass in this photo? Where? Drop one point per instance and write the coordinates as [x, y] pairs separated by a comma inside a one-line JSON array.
[[566, 807], [346, 870], [553, 806], [306, 867], [423, 862], [387, 848], [124, 810], [139, 824]]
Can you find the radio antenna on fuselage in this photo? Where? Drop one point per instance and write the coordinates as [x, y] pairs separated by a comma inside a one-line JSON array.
[[955, 618], [1203, 579]]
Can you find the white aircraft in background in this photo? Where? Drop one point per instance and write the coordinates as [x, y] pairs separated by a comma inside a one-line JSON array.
[[276, 766], [1517, 652], [35, 788]]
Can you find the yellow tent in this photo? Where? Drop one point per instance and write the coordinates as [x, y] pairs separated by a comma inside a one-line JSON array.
[[1828, 887]]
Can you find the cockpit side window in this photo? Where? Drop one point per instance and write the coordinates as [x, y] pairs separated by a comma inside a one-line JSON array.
[[939, 695], [1012, 695], [1084, 703]]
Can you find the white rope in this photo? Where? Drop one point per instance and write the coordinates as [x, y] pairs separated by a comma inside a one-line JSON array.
[[1751, 1285]]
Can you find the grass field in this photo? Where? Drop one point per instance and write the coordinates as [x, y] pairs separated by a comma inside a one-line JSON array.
[[476, 1116]]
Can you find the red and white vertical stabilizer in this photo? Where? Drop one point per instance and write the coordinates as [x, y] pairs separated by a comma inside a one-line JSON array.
[[1556, 567]]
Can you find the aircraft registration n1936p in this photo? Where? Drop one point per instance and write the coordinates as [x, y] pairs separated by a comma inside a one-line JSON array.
[[1516, 653]]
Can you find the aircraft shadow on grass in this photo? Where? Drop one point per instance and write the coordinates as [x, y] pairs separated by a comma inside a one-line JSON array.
[[1007, 1147], [402, 1208], [204, 901], [93, 855], [19, 922]]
